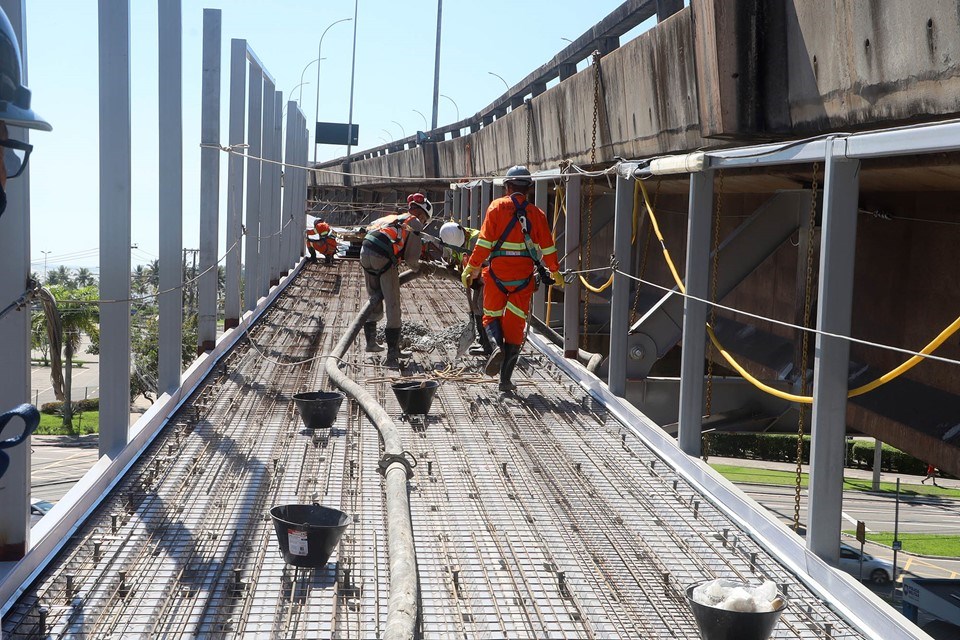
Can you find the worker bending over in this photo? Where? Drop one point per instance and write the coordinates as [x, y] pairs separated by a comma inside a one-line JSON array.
[[389, 240], [458, 244], [514, 238], [321, 240]]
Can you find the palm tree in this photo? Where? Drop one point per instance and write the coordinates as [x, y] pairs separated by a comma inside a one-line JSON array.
[[153, 274], [139, 277], [84, 277], [78, 316], [60, 277]]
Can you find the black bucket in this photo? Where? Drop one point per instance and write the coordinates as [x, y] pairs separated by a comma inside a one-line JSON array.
[[308, 533], [318, 408], [720, 624], [415, 397]]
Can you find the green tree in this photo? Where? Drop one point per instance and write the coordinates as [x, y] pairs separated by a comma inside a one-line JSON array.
[[139, 280], [146, 354], [61, 277], [84, 277], [78, 315], [153, 274]]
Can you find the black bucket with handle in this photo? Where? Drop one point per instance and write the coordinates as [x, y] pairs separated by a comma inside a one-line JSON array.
[[721, 624], [415, 396], [318, 408], [308, 533]]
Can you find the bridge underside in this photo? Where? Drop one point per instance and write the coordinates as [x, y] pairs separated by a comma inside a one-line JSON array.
[[534, 515]]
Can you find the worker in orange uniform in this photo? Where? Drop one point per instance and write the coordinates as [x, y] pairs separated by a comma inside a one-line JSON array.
[[389, 240], [516, 239], [321, 239], [458, 242]]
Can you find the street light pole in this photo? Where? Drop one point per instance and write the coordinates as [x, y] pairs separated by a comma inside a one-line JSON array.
[[436, 66], [403, 132], [425, 125], [353, 72], [45, 253], [501, 79], [316, 113], [454, 105]]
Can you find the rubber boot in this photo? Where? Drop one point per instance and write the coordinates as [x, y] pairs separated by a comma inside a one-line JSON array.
[[370, 334], [393, 346], [511, 353], [495, 336], [484, 348], [328, 260]]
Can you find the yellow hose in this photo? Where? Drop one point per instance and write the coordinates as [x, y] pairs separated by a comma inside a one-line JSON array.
[[870, 386], [597, 289]]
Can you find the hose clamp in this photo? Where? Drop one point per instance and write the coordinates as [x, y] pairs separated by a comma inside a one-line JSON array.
[[405, 458]]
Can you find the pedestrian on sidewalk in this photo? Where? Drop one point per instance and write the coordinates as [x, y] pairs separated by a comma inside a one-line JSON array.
[[931, 475]]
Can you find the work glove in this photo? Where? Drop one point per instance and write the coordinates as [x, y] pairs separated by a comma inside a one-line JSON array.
[[557, 279], [469, 274]]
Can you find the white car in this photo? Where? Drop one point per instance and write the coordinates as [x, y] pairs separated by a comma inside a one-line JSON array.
[[876, 570]]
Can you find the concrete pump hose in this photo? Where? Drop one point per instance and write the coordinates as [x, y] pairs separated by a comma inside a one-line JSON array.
[[402, 611]]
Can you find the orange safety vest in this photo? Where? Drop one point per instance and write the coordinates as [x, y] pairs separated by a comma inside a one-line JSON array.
[[388, 235]]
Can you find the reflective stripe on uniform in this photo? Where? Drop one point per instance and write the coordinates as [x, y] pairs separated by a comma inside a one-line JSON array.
[[549, 250], [517, 311], [486, 244], [491, 313]]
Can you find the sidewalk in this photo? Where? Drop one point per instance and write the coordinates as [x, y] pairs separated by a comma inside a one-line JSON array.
[[848, 472]]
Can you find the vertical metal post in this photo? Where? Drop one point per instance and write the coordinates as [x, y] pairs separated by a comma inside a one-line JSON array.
[[436, 67], [353, 71], [620, 298], [486, 191], [830, 369], [267, 214], [463, 214], [540, 198], [15, 330], [238, 94], [275, 171], [571, 293], [209, 181], [877, 463], [475, 208], [171, 195], [695, 313], [251, 267], [289, 190], [448, 204], [115, 172]]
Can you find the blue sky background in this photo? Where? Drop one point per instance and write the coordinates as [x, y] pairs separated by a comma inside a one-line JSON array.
[[394, 77]]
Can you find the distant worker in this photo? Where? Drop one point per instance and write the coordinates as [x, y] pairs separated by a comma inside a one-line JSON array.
[[322, 240], [931, 475], [389, 240], [14, 110], [459, 243], [516, 239]]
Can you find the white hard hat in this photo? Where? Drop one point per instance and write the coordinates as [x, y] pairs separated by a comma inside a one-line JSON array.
[[452, 233]]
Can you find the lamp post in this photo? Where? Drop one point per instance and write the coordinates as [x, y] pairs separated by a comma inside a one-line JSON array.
[[316, 113], [403, 132], [45, 254], [389, 135], [426, 127], [501, 79], [454, 105], [567, 39]]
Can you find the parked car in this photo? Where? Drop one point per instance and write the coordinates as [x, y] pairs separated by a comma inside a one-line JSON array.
[[876, 570], [38, 509]]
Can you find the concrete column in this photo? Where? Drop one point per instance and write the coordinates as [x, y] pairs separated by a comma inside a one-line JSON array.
[[266, 192], [115, 159], [620, 298], [541, 191], [830, 368], [474, 222], [15, 330], [238, 94], [251, 267], [695, 313], [209, 181], [571, 251], [170, 343]]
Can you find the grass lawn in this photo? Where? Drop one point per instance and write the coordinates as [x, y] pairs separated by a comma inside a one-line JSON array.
[[755, 475], [924, 544], [83, 423]]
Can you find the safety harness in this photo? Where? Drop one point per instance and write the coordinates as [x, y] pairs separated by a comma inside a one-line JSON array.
[[530, 250], [383, 244]]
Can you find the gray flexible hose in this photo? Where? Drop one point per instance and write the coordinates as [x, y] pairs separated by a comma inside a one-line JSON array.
[[402, 610]]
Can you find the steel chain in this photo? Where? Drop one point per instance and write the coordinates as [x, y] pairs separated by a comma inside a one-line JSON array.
[[590, 189], [707, 439]]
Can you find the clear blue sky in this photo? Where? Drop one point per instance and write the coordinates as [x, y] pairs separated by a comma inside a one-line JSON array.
[[394, 77]]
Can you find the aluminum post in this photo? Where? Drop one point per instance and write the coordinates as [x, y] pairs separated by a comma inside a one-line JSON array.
[[209, 181], [266, 193], [463, 213], [170, 343], [251, 267], [695, 313], [540, 198], [115, 190], [831, 363], [238, 94], [275, 173], [289, 191], [486, 190], [15, 331], [571, 293], [620, 297], [474, 208]]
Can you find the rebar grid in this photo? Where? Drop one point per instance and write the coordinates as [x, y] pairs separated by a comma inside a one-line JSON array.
[[535, 516]]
